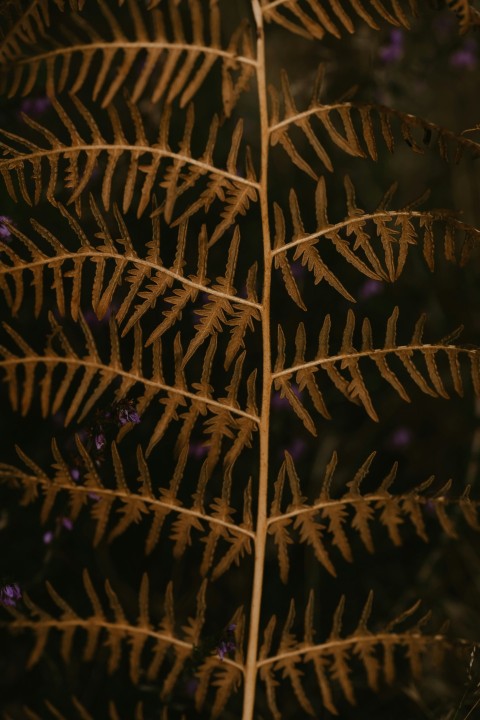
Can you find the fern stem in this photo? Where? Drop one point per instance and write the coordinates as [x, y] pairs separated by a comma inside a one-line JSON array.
[[261, 527]]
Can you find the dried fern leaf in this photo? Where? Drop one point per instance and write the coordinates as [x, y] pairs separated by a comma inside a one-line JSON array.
[[358, 137], [78, 711], [355, 243], [333, 659], [126, 504], [146, 275], [149, 47], [313, 19], [324, 522], [26, 25], [114, 628], [423, 371], [75, 162], [88, 369]]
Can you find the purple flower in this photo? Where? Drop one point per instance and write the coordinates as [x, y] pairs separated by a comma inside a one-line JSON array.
[[67, 523], [227, 645], [92, 320], [280, 403], [401, 438], [298, 270], [62, 522], [224, 648], [197, 450], [128, 415], [35, 106], [296, 448], [100, 440], [466, 56], [5, 233], [393, 52], [10, 594], [48, 537], [369, 289], [93, 496], [75, 474]]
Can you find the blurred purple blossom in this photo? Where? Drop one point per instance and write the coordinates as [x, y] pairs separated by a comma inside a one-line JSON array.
[[466, 56], [128, 414], [224, 648], [75, 474], [393, 52], [281, 403], [35, 106], [191, 686], [5, 233], [401, 438], [100, 439], [10, 594], [369, 289], [227, 644], [296, 448], [197, 450], [92, 320], [62, 523], [298, 270]]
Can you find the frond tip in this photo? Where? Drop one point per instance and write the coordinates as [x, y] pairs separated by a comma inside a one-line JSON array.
[[109, 623], [226, 541], [39, 165], [313, 19], [149, 48], [419, 360], [332, 661], [325, 523]]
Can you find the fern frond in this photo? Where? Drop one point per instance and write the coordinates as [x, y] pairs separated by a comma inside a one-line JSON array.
[[333, 659], [467, 15], [77, 711], [147, 277], [358, 137], [116, 508], [173, 65], [27, 24], [325, 522], [108, 623], [82, 370], [418, 359], [377, 243], [311, 19], [75, 161]]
